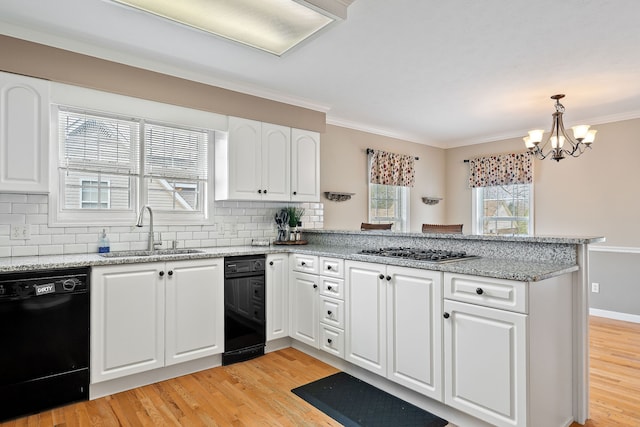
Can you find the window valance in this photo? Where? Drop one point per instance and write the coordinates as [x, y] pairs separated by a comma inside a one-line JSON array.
[[501, 169], [391, 169]]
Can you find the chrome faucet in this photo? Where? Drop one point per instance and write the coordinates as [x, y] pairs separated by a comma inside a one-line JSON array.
[[151, 243]]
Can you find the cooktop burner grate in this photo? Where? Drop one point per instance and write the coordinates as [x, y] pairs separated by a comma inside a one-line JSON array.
[[430, 255]]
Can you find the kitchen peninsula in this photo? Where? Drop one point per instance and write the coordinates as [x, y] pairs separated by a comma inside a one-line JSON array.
[[517, 313]]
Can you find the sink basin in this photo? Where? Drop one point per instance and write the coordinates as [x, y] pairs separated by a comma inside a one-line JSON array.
[[120, 254]]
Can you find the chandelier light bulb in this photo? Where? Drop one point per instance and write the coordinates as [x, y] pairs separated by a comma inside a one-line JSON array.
[[590, 137], [535, 136], [557, 142], [580, 131], [528, 143]]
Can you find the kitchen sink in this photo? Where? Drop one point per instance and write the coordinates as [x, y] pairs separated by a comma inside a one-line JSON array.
[[157, 252]]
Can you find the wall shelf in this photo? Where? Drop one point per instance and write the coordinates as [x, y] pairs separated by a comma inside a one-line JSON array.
[[337, 196], [431, 200]]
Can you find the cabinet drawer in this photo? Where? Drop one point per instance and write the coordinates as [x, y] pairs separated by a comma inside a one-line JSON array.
[[332, 267], [331, 312], [497, 293], [332, 287], [305, 263], [332, 340]]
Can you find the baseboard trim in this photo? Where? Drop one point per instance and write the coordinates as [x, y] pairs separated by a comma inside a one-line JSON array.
[[618, 249], [634, 318]]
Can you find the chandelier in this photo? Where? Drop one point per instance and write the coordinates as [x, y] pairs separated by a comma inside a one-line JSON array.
[[561, 143]]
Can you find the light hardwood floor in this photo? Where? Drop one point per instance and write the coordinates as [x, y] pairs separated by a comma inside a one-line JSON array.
[[257, 393]]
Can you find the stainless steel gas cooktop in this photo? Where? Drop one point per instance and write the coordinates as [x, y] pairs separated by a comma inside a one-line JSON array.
[[429, 255]]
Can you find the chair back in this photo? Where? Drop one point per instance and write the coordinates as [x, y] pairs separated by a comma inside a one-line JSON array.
[[442, 228], [368, 226]]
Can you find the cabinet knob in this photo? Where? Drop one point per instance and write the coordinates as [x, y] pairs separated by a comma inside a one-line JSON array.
[[388, 278], [329, 312], [329, 340], [170, 272], [270, 262], [328, 267], [445, 315], [315, 286], [381, 276], [329, 288], [259, 191], [265, 191], [479, 291], [255, 292], [295, 192], [303, 263], [161, 273]]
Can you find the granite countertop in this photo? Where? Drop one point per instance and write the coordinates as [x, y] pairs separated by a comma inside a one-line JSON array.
[[572, 240], [527, 271]]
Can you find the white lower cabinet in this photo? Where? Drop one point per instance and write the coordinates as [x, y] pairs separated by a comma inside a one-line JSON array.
[[485, 362], [317, 302], [304, 307], [277, 283], [508, 349], [150, 315], [393, 324]]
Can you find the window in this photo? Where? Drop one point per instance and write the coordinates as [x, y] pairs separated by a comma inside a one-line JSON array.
[[175, 168], [94, 194], [504, 209], [118, 164], [388, 204]]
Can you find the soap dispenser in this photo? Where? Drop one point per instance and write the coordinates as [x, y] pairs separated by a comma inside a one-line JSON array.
[[103, 243]]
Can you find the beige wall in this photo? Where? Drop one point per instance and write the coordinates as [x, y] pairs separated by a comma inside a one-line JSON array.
[[596, 194], [343, 163], [45, 62]]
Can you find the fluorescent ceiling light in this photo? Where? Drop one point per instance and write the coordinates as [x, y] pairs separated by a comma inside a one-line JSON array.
[[271, 25]]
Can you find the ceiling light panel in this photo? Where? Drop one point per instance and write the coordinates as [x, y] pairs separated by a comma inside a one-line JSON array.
[[271, 25]]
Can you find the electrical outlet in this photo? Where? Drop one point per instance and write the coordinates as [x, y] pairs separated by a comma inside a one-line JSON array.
[[595, 287], [20, 231]]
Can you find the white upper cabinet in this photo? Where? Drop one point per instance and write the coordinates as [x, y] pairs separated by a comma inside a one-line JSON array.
[[254, 162], [305, 166], [24, 134], [276, 162]]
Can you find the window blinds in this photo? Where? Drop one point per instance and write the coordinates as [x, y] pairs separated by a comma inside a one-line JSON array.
[[175, 153], [101, 144]]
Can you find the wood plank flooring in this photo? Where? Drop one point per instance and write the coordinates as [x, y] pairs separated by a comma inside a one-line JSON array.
[[257, 393], [614, 399]]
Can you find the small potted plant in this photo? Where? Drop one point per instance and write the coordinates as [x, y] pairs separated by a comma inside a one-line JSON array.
[[295, 215]]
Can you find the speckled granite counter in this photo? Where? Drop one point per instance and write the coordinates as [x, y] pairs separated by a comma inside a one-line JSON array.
[[484, 266]]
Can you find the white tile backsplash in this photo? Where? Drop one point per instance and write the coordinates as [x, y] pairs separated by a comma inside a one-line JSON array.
[[233, 224]]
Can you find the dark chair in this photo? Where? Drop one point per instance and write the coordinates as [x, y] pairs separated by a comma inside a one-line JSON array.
[[442, 228], [367, 226]]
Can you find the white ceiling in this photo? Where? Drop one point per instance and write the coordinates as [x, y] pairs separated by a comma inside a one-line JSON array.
[[443, 73]]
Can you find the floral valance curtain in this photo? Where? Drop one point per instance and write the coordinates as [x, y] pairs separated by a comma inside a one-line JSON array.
[[392, 169], [502, 169]]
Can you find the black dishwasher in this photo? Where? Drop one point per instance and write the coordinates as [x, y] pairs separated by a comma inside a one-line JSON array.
[[44, 361], [244, 308]]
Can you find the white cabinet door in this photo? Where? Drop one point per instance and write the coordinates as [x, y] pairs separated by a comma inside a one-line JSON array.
[[127, 320], [304, 308], [305, 166], [194, 309], [414, 329], [277, 276], [24, 134], [366, 316], [276, 162], [244, 160], [485, 363]]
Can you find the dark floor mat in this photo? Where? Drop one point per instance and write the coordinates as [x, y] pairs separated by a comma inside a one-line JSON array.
[[354, 403]]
